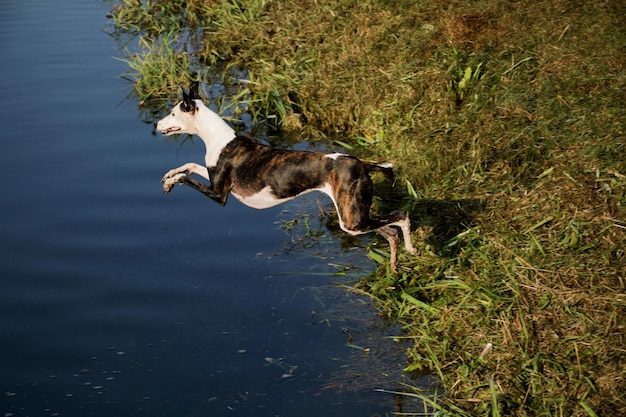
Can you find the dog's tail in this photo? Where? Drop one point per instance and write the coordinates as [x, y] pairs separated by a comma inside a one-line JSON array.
[[386, 169]]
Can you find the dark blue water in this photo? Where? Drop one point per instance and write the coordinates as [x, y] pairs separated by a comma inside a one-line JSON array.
[[117, 300]]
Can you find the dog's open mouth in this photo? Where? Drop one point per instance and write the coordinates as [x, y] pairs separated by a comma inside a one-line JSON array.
[[170, 130]]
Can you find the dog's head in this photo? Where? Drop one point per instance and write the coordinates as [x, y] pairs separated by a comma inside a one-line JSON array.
[[181, 118]]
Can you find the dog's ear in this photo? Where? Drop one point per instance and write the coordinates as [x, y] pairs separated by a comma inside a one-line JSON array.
[[193, 91], [188, 105], [182, 91]]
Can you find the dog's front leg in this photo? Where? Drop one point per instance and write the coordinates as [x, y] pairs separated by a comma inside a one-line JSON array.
[[174, 176], [189, 169], [208, 190], [184, 179], [171, 181], [220, 180]]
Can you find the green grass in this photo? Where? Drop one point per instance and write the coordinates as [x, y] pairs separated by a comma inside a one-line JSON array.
[[505, 121]]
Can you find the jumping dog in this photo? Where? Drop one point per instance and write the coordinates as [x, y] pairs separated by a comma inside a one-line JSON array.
[[260, 176]]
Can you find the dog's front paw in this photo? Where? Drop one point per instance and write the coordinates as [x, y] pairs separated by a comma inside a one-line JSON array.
[[169, 181], [171, 174]]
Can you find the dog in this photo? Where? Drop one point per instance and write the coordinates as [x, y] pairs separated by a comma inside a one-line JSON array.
[[260, 176]]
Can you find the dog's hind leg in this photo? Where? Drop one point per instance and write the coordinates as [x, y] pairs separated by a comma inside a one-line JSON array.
[[383, 225], [391, 235], [405, 225], [389, 232], [353, 200]]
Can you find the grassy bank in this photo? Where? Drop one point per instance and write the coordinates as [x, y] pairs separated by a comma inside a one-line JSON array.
[[506, 122]]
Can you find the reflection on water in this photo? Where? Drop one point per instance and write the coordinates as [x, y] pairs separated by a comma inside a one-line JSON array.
[[118, 300]]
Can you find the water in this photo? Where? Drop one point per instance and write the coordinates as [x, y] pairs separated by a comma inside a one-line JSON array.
[[118, 300]]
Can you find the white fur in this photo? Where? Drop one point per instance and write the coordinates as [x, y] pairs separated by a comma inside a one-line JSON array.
[[335, 155], [205, 123], [261, 200], [266, 198]]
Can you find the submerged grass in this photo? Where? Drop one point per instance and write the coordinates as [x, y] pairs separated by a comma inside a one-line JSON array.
[[506, 123]]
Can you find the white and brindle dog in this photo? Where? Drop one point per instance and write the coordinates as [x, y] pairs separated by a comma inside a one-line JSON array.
[[260, 176]]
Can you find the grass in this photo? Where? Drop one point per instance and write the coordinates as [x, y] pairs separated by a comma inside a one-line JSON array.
[[506, 123]]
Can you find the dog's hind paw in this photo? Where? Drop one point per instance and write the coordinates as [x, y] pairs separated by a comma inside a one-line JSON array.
[[412, 250]]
